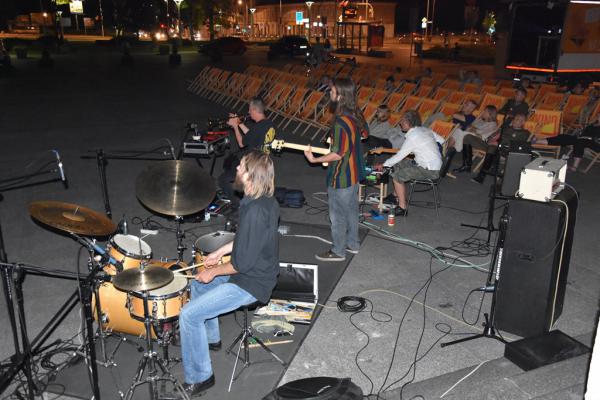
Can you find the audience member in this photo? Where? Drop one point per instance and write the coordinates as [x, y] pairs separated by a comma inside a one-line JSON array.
[[589, 138], [382, 133], [514, 132], [516, 105], [471, 76], [390, 83], [484, 127]]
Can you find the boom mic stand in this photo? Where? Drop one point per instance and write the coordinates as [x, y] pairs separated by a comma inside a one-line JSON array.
[[490, 286], [167, 152]]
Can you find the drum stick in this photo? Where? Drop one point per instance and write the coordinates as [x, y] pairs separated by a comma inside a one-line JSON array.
[[190, 267]]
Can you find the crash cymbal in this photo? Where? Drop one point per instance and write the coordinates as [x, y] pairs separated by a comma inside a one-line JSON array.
[[137, 279], [175, 187], [72, 218]]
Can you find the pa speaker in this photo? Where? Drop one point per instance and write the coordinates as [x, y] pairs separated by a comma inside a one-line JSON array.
[[532, 275], [318, 388]]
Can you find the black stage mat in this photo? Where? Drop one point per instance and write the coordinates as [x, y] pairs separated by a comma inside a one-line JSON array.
[[257, 380]]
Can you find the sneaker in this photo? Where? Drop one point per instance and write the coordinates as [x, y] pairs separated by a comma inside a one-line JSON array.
[[390, 199], [399, 211], [351, 251], [478, 179], [329, 256]]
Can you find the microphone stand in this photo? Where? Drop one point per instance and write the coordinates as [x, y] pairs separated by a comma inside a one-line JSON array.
[[490, 286], [101, 157], [493, 193]]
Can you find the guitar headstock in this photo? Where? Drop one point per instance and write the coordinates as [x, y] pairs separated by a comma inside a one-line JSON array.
[[277, 144]]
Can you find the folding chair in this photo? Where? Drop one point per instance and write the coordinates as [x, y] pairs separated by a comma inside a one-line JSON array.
[[548, 124]]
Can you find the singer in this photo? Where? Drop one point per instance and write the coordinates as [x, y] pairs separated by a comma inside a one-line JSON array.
[[251, 274]]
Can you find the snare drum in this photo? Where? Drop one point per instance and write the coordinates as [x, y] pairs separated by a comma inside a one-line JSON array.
[[130, 250], [208, 243], [164, 303]]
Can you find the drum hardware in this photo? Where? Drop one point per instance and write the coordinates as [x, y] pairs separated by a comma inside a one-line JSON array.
[[164, 152], [144, 280]]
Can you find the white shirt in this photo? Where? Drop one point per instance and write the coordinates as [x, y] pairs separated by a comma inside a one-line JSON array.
[[422, 142]]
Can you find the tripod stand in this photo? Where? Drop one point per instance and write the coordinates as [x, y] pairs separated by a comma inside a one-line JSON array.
[[490, 286], [151, 360]]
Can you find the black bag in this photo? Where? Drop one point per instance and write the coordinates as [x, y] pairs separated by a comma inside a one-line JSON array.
[[291, 198]]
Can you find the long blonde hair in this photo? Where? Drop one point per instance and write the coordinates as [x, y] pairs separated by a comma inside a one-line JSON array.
[[261, 174]]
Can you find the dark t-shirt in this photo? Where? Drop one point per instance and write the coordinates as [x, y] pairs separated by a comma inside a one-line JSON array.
[[592, 132], [255, 254], [259, 136], [464, 125], [511, 108]]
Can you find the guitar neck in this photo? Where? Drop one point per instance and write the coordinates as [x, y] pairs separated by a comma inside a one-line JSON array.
[[380, 150], [301, 147]]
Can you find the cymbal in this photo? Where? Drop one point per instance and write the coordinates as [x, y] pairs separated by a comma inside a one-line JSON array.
[[137, 279], [72, 218], [175, 187]]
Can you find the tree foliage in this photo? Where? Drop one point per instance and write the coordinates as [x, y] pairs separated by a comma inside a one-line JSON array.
[[210, 13]]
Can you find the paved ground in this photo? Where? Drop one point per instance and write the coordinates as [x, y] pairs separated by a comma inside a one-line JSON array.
[[88, 102]]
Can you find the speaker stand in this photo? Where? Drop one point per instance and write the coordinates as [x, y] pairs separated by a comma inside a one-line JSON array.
[[490, 287]]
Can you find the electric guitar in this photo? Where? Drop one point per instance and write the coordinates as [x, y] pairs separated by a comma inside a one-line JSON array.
[[278, 145]]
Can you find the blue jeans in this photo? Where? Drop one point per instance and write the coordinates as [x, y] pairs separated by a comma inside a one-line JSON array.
[[199, 323], [343, 214]]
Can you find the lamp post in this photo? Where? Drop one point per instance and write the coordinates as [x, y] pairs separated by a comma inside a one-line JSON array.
[[168, 16], [178, 3], [62, 33], [101, 17], [309, 5], [252, 11]]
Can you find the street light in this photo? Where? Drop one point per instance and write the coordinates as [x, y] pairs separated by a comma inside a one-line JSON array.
[[168, 17], [252, 10], [178, 3], [309, 4]]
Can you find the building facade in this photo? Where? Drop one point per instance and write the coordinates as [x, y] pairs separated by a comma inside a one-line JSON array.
[[318, 19]]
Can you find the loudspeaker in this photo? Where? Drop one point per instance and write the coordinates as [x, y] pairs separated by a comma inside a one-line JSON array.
[[532, 275], [515, 162]]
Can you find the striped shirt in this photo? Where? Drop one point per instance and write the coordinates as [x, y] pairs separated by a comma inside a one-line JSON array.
[[350, 169]]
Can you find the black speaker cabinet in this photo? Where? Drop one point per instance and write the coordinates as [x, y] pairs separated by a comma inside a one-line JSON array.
[[535, 262], [515, 161]]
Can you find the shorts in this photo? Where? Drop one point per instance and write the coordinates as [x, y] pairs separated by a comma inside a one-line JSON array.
[[407, 170]]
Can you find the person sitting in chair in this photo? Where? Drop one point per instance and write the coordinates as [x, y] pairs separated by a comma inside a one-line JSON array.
[[382, 134], [251, 274], [423, 144], [516, 105], [515, 132], [589, 138], [480, 131]]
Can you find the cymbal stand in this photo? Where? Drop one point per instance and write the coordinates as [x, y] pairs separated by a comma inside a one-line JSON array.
[[150, 361], [180, 236], [165, 152]]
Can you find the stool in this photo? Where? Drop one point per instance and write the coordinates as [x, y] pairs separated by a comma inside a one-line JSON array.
[[382, 193], [243, 339]]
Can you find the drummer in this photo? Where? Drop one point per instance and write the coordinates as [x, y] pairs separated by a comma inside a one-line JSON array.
[[251, 274]]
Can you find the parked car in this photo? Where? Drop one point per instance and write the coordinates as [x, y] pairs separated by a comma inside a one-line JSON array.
[[289, 46], [228, 45]]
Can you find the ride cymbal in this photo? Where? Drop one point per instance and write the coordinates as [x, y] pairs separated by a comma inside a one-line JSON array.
[[137, 279], [175, 187], [72, 218]]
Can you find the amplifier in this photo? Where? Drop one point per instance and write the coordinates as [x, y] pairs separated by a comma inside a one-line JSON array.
[[207, 144], [542, 179]]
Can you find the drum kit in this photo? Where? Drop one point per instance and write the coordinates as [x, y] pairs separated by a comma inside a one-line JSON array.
[[133, 293]]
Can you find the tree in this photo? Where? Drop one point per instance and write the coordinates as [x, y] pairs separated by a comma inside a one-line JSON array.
[[211, 13]]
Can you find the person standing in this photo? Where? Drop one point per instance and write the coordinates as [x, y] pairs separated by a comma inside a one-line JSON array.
[[255, 135], [346, 169], [250, 275]]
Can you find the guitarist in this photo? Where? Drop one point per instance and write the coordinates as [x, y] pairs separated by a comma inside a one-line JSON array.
[[256, 135], [423, 143], [345, 170]]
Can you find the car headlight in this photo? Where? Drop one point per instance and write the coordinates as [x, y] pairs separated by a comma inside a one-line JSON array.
[[303, 47]]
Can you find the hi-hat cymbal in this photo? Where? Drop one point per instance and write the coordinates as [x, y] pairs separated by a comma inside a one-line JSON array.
[[137, 279], [72, 218], [175, 187]]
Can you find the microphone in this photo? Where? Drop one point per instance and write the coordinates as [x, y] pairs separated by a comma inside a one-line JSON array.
[[105, 255], [486, 289], [123, 226], [61, 169]]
